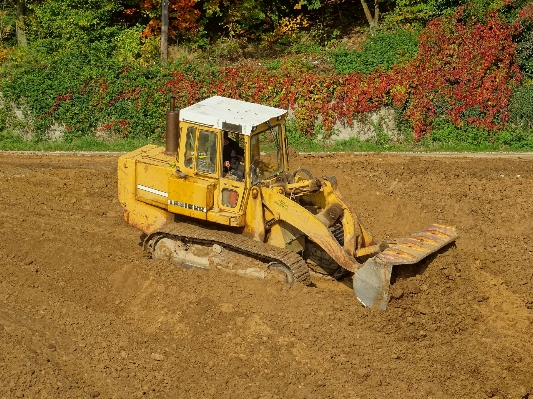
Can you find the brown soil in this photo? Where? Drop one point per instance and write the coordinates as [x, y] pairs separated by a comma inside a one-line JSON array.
[[84, 314]]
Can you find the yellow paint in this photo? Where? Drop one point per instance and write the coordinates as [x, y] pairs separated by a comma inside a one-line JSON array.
[[283, 235], [190, 196], [299, 217], [143, 216], [254, 216], [153, 187]]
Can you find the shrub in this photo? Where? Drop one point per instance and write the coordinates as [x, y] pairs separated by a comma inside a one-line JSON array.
[[128, 45], [463, 76], [88, 94], [443, 131], [516, 138], [522, 106], [7, 27], [382, 50], [464, 70], [525, 41], [58, 22]]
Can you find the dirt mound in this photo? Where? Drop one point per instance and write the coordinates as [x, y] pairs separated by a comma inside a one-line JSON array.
[[84, 314]]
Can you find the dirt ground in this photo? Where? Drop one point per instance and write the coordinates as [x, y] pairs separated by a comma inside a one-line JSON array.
[[84, 314]]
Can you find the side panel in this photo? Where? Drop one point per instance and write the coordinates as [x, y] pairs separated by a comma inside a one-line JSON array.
[[190, 197], [152, 183], [144, 217]]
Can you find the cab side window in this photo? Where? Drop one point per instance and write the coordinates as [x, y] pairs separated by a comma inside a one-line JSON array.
[[190, 143], [207, 152]]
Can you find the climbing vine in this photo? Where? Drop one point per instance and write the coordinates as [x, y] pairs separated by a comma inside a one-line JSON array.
[[464, 73]]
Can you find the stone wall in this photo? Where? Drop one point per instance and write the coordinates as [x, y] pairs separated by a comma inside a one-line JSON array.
[[364, 126], [368, 125], [22, 124]]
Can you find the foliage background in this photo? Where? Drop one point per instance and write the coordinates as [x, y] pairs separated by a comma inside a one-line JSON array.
[[454, 72]]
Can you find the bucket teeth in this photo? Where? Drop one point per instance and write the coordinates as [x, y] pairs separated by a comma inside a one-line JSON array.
[[419, 245]]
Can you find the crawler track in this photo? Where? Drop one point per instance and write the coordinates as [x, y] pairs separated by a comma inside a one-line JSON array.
[[264, 252]]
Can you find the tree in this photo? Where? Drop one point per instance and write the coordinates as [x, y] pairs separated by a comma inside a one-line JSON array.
[[164, 30], [373, 22], [182, 17], [21, 33]]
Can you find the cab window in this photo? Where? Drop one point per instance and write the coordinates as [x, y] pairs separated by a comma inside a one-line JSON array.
[[233, 155], [267, 154], [207, 152], [190, 143]]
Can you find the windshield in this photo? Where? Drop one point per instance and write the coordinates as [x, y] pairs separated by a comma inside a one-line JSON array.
[[266, 153]]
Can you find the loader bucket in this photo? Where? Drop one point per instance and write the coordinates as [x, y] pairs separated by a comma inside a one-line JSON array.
[[371, 282]]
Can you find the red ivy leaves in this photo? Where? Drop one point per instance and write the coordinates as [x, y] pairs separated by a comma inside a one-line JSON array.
[[183, 17], [466, 71], [525, 14]]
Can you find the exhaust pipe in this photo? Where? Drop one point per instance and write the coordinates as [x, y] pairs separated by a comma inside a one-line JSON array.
[[172, 128]]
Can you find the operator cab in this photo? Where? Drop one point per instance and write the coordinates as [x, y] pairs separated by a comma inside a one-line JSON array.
[[232, 145]]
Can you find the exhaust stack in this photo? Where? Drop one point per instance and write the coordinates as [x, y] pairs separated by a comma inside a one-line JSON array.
[[172, 128]]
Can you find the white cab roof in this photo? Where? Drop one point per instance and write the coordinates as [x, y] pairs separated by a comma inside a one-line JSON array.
[[229, 114]]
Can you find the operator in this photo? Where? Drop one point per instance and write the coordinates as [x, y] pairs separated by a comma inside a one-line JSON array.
[[230, 155]]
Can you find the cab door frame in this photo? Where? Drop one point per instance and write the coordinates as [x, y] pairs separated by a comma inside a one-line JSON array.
[[232, 193], [195, 190]]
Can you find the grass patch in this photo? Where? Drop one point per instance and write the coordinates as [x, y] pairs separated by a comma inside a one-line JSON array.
[[516, 139], [506, 141]]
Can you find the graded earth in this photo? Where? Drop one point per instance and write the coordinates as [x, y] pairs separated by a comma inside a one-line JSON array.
[[85, 314]]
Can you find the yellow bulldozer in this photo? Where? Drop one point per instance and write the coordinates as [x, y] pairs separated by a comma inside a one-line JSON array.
[[220, 194]]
